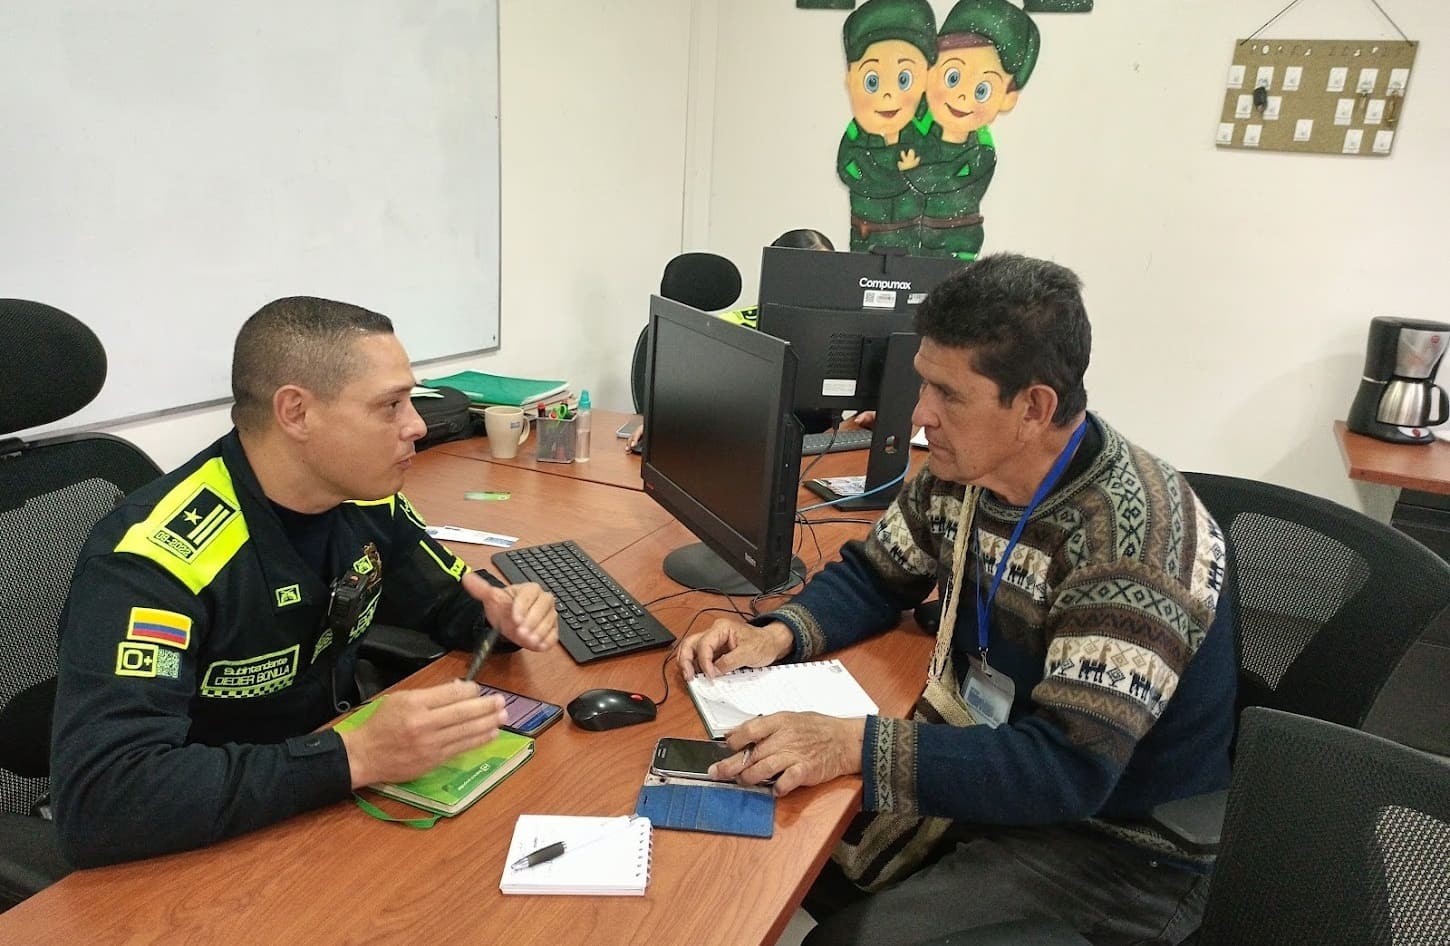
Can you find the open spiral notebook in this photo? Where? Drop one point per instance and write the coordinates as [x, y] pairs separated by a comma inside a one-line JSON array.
[[822, 686], [602, 857]]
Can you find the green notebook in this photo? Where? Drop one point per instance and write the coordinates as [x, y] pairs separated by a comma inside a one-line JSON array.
[[484, 388], [460, 781]]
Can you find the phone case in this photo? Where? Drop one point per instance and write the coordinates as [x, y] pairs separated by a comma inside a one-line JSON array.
[[715, 807]]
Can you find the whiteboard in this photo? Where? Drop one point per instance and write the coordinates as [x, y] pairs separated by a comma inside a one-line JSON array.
[[168, 166]]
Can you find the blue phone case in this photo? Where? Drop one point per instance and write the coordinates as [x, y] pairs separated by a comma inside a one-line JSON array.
[[716, 808]]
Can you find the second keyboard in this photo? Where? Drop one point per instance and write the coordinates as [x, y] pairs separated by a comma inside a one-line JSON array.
[[812, 444]]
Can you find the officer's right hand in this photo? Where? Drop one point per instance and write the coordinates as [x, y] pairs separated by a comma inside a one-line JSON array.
[[413, 731], [730, 644], [908, 160]]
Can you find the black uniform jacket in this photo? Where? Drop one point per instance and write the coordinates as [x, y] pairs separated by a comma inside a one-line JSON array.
[[197, 658]]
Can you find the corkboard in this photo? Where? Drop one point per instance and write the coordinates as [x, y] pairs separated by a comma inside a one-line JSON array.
[[1323, 96]]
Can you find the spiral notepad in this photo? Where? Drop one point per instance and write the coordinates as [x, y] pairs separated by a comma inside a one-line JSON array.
[[823, 686], [602, 857]]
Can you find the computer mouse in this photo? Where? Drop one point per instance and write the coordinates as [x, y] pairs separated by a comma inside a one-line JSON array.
[[599, 710]]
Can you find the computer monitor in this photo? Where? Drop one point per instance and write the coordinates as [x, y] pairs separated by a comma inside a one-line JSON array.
[[722, 448], [849, 320]]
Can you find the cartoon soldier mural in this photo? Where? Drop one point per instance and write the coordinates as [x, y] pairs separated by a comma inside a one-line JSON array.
[[986, 51], [889, 45]]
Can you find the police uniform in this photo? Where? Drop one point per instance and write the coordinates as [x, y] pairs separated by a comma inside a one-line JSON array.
[[198, 655]]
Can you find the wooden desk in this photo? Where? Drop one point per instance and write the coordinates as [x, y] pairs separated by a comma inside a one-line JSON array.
[[1410, 466], [609, 463], [337, 876]]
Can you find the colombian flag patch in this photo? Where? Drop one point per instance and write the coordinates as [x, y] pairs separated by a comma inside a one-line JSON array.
[[160, 627]]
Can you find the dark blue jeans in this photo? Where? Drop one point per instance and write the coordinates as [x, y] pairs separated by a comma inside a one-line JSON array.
[[1110, 893]]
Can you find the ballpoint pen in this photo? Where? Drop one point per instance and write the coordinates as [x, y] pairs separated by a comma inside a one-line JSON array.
[[550, 851], [481, 654]]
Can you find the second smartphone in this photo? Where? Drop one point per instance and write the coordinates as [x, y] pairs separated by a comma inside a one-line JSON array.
[[527, 716], [688, 758]]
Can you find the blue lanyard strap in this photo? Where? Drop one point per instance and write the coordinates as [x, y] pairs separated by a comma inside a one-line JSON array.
[[984, 607]]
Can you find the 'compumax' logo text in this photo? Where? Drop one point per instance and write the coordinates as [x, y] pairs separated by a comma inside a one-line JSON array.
[[868, 283]]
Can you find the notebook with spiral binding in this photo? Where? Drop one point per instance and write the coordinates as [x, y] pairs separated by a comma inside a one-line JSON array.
[[602, 856], [822, 686]]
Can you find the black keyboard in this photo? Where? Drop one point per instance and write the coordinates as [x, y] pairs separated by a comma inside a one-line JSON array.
[[597, 618], [813, 444]]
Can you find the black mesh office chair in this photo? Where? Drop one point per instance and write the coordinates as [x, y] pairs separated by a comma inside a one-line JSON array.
[[1333, 836], [52, 491], [703, 281], [1329, 603]]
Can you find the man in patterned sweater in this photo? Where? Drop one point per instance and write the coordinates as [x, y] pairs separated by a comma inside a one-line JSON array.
[[1084, 670]]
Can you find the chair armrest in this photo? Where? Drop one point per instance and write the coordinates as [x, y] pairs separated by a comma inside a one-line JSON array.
[[1196, 822], [400, 648], [25, 730]]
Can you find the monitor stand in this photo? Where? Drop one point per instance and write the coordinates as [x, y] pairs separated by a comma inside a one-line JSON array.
[[695, 566], [890, 435]]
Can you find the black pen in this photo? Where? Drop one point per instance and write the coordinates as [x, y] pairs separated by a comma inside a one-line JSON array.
[[481, 654], [550, 851]]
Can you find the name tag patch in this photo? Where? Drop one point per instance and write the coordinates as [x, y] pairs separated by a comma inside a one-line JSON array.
[[254, 676]]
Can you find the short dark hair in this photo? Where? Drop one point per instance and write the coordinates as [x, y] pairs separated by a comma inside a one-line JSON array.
[[300, 340], [804, 239], [1023, 320]]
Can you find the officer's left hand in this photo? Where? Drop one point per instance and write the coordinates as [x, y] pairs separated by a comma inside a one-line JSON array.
[[800, 748], [909, 159], [522, 613]]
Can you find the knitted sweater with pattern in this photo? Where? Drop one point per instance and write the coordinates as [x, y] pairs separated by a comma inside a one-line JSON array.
[[1104, 620]]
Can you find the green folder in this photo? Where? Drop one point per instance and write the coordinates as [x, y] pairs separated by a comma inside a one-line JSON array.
[[459, 782], [484, 388]]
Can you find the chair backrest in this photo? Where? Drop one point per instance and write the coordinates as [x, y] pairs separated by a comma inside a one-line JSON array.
[[1329, 600], [705, 281], [52, 491], [1332, 836]]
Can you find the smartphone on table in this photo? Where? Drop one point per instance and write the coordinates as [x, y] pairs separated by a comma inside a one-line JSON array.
[[527, 716], [628, 428], [688, 758]]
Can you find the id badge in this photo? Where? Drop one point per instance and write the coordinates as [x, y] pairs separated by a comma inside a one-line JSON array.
[[988, 693]]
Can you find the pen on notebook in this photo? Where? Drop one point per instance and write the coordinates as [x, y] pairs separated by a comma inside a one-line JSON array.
[[559, 848]]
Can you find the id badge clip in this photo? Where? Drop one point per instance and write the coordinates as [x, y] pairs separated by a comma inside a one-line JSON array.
[[988, 693]]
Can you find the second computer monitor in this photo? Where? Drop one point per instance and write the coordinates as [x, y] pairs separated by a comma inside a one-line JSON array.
[[839, 311]]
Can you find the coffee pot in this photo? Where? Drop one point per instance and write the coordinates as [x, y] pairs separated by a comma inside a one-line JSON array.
[[1398, 398]]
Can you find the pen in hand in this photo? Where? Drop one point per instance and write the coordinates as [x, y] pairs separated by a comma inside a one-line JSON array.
[[481, 654], [559, 848]]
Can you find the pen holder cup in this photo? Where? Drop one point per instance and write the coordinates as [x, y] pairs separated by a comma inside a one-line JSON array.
[[555, 436]]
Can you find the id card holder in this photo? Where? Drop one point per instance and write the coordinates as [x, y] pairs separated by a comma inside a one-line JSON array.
[[988, 693]]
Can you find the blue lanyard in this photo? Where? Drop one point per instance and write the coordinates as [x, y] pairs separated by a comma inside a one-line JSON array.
[[984, 607]]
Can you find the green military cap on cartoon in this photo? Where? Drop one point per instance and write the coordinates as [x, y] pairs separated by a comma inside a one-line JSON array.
[[1009, 29], [878, 20], [889, 46]]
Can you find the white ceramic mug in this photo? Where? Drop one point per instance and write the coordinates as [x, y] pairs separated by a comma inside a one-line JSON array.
[[507, 427]]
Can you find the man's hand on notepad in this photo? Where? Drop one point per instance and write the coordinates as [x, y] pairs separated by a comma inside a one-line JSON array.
[[797, 748], [730, 644]]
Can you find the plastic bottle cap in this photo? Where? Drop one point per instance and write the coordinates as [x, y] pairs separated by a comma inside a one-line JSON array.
[[584, 399]]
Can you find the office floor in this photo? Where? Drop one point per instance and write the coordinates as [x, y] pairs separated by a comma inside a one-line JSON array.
[[796, 929]]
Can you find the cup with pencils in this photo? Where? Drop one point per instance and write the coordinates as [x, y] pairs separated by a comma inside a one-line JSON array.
[[555, 433]]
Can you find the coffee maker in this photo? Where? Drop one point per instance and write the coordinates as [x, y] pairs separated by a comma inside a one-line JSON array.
[[1398, 397]]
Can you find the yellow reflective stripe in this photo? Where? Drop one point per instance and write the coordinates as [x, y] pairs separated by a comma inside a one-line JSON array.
[[457, 570], [385, 501], [219, 546]]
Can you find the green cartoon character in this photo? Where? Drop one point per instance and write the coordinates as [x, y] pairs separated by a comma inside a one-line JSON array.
[[986, 51], [890, 45]]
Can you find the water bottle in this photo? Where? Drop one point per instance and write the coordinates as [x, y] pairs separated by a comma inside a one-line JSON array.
[[582, 426]]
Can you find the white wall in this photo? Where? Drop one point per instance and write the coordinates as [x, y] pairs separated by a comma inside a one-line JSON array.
[[1230, 292], [593, 137]]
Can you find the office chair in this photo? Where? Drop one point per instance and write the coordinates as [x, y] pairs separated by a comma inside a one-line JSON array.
[[53, 489], [1329, 603], [703, 281], [1333, 836]]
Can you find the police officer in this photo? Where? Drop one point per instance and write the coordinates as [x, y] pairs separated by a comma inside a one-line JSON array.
[[889, 45], [215, 617]]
